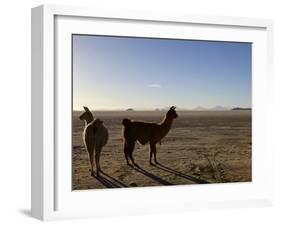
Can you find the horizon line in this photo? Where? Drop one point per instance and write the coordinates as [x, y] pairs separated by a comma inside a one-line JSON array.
[[157, 109]]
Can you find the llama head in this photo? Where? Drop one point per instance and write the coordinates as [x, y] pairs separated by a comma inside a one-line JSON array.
[[172, 112], [87, 115]]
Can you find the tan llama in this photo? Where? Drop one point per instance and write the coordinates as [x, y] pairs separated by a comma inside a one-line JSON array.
[[95, 137]]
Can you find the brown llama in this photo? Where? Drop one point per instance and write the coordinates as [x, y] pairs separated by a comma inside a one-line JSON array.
[[146, 132], [95, 136]]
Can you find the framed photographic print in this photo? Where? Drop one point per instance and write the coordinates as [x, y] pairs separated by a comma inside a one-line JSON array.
[[138, 112]]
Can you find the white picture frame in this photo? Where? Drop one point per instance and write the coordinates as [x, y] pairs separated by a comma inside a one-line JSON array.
[[52, 197]]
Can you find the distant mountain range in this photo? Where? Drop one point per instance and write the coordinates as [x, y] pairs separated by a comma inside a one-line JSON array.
[[241, 109], [220, 108], [216, 108], [198, 108]]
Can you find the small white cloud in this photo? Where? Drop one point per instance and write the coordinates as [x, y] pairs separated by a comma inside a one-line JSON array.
[[154, 86]]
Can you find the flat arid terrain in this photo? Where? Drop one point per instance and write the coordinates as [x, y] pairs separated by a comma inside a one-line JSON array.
[[201, 147]]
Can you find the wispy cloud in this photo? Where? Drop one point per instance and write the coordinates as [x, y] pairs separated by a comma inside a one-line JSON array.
[[154, 86]]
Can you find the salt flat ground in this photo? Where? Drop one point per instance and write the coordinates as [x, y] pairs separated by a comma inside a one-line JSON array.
[[201, 147]]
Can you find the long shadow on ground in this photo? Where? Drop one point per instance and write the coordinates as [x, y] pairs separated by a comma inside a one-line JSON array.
[[152, 176], [114, 180], [109, 181], [180, 174]]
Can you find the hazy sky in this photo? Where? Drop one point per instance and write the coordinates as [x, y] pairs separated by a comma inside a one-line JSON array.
[[112, 73]]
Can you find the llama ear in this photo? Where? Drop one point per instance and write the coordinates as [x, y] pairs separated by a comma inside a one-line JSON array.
[[173, 108], [86, 109]]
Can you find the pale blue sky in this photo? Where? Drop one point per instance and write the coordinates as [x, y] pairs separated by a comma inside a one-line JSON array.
[[112, 73]]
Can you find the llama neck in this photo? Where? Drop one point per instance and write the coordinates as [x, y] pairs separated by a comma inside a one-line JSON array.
[[166, 125], [88, 121]]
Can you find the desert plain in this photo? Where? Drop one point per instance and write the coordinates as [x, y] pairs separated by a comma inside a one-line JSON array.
[[202, 147]]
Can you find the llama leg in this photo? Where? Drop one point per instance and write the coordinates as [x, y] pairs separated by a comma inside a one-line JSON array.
[[150, 154], [131, 147], [126, 152], [152, 151], [91, 158], [90, 150], [155, 156], [97, 159]]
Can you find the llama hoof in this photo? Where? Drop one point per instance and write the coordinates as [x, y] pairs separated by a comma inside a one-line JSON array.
[[157, 163], [92, 174], [130, 165], [151, 163]]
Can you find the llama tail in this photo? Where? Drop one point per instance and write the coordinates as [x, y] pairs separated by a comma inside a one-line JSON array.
[[126, 122]]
